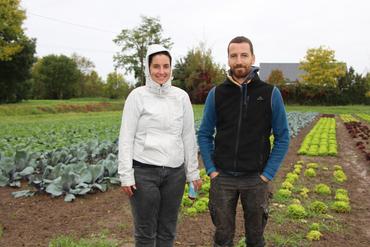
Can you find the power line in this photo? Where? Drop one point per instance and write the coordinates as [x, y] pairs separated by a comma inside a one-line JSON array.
[[72, 24], [75, 48]]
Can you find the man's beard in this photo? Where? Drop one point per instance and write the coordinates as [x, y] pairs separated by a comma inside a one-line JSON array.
[[240, 71]]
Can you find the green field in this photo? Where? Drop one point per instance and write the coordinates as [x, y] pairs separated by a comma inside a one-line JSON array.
[[347, 109], [38, 107], [50, 131], [24, 129], [83, 105]]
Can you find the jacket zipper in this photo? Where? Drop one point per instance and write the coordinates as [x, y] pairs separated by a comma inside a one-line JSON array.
[[243, 103]]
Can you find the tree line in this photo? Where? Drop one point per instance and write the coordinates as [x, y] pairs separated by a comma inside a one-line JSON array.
[[24, 76], [326, 81]]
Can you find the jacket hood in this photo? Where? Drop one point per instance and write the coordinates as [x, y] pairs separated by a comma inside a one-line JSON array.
[[149, 82], [250, 76]]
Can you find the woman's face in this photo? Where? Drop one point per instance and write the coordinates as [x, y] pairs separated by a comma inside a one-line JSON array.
[[160, 68]]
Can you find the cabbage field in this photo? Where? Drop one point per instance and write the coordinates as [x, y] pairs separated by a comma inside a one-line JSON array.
[[75, 168], [68, 162]]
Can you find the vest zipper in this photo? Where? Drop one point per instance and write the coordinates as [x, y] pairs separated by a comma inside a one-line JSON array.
[[243, 103]]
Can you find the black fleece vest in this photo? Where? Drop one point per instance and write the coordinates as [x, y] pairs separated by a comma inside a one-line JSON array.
[[243, 126]]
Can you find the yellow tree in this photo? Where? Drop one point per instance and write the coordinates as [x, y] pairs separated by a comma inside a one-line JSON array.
[[11, 32], [321, 67]]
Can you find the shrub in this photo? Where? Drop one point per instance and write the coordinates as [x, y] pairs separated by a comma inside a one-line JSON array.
[[339, 176], [297, 171], [304, 192], [203, 173], [338, 167], [200, 206], [291, 177], [204, 199], [318, 207], [296, 211], [315, 226], [296, 201], [206, 187], [297, 166], [313, 235], [341, 207], [287, 185], [186, 201], [191, 211], [341, 197], [341, 191], [310, 172], [312, 165], [322, 189], [283, 193]]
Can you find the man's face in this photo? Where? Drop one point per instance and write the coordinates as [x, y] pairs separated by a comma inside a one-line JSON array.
[[240, 60]]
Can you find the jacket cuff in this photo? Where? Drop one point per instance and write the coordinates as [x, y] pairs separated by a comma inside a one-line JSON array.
[[211, 169], [127, 181], [268, 176], [193, 176]]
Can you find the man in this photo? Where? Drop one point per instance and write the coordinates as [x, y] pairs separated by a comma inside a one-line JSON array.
[[243, 110]]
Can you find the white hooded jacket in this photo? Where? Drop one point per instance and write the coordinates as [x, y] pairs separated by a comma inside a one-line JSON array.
[[157, 128]]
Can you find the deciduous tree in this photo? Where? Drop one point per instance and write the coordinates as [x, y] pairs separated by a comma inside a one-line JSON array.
[[197, 73], [16, 53], [276, 77], [11, 32], [321, 67], [89, 84], [134, 43], [116, 86], [55, 77], [15, 73]]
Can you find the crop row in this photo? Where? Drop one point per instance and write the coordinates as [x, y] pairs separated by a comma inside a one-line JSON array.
[[299, 120], [321, 140], [347, 118], [364, 116], [360, 133]]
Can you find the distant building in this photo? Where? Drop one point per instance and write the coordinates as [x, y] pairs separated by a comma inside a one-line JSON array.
[[291, 72]]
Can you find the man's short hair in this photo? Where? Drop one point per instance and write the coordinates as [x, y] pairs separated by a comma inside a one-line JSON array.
[[241, 39]]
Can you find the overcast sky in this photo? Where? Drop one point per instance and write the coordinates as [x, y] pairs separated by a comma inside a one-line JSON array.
[[281, 31]]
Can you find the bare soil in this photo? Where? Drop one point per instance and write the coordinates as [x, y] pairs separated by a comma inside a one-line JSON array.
[[34, 221]]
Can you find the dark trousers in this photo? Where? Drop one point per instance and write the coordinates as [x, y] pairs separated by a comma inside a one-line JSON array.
[[223, 198], [155, 204]]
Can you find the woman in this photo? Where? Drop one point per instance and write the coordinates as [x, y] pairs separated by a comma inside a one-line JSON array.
[[157, 151]]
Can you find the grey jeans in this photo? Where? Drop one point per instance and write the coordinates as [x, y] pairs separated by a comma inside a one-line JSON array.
[[223, 198], [155, 204]]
